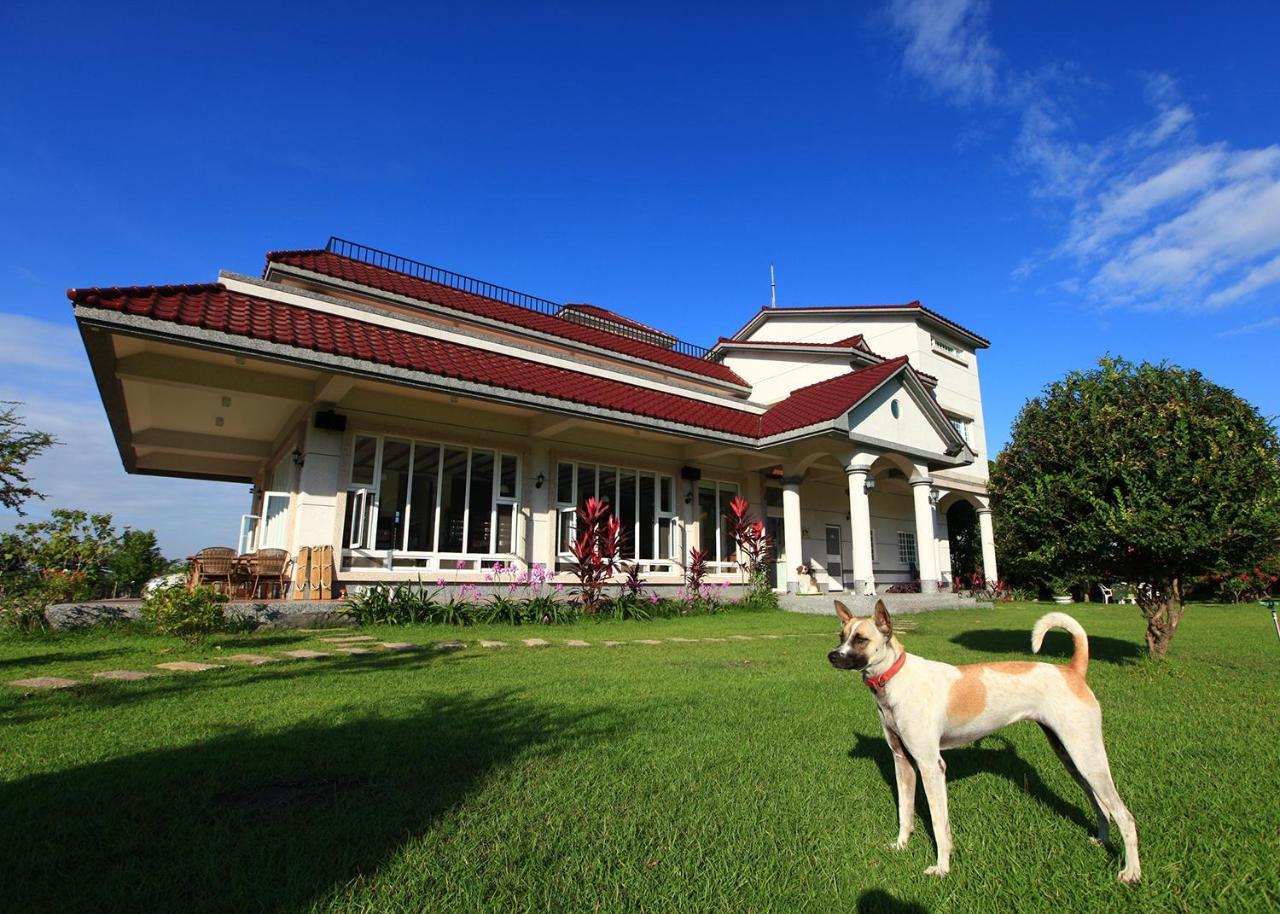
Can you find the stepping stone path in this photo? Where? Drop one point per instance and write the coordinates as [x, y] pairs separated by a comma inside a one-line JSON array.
[[450, 645], [255, 659], [188, 666], [44, 682], [305, 654], [353, 650], [683, 640], [399, 646], [613, 643], [577, 644], [713, 639], [348, 639], [126, 675], [493, 644], [647, 641], [535, 642], [740, 638], [332, 628]]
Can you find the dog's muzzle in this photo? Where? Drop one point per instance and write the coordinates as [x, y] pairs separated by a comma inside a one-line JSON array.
[[842, 661]]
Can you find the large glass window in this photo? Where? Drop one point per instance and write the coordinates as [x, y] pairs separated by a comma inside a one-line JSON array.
[[641, 501], [714, 532], [421, 498]]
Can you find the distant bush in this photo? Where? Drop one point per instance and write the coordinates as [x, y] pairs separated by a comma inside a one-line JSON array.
[[188, 614]]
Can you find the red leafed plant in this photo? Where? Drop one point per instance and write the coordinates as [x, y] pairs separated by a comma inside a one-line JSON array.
[[595, 552], [755, 546], [694, 573]]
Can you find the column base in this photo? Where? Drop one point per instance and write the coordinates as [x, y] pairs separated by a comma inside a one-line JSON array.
[[928, 586]]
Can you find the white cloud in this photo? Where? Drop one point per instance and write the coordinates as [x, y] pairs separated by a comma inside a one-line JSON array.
[[1154, 217], [43, 366], [947, 46], [1271, 323]]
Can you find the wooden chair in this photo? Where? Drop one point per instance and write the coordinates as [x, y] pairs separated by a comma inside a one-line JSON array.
[[269, 567], [214, 565]]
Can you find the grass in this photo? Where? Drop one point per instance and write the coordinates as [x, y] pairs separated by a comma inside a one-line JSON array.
[[716, 776]]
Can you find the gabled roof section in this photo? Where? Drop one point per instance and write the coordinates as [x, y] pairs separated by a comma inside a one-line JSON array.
[[384, 279], [978, 342], [855, 343], [827, 400], [572, 310]]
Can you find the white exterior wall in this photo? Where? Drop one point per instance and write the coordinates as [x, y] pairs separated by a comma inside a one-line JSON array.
[[773, 375]]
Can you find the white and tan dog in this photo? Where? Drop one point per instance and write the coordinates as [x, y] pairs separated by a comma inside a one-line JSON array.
[[926, 707]]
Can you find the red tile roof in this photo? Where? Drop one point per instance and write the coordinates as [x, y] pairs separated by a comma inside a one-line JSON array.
[[827, 400], [614, 317], [364, 274], [212, 306]]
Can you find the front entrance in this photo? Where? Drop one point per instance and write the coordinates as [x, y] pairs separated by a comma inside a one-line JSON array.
[[835, 558]]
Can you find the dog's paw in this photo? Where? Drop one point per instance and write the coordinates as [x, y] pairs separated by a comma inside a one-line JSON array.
[[1097, 842], [1131, 876], [939, 871], [900, 844]]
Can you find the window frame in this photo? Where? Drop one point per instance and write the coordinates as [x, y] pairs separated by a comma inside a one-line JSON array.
[[907, 540], [718, 563], [566, 522], [358, 536]]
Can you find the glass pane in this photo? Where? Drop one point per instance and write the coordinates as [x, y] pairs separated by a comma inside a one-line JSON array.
[[363, 457], [727, 545], [833, 541], [564, 484], [481, 501], [586, 483], [354, 514], [707, 521], [664, 538], [566, 529], [608, 485], [664, 494], [506, 529], [507, 480], [647, 515], [453, 495], [773, 497], [393, 491], [422, 501], [627, 512]]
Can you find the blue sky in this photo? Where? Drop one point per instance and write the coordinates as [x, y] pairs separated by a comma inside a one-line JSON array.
[[1066, 180]]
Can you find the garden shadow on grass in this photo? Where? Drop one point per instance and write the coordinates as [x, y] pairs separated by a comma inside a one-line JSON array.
[[878, 901], [1056, 644], [263, 822], [967, 761]]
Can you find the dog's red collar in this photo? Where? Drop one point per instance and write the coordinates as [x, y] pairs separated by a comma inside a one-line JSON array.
[[876, 683]]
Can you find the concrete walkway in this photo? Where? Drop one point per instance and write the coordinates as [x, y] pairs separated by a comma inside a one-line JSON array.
[[898, 604]]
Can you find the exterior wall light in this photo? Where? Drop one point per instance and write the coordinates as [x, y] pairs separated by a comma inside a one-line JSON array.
[[298, 458], [869, 484], [934, 497], [540, 481]]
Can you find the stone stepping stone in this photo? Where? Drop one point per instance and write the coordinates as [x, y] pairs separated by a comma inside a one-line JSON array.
[[188, 666], [305, 654], [741, 638], [493, 644], [683, 640], [124, 675], [44, 682], [713, 639], [771, 637], [450, 645], [647, 641], [349, 639], [576, 643], [353, 650], [535, 642], [399, 646], [255, 659], [613, 643]]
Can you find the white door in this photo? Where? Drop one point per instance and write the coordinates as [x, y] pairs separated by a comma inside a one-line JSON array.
[[248, 533], [835, 561], [275, 521]]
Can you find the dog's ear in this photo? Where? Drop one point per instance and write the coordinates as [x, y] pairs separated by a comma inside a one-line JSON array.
[[883, 622], [843, 612]]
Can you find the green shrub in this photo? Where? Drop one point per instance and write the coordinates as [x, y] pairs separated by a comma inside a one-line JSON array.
[[189, 614]]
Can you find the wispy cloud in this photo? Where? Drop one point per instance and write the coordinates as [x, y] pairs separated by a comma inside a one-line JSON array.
[[1271, 323], [1154, 217], [43, 366]]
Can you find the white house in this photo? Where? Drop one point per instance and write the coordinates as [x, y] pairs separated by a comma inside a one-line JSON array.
[[430, 425]]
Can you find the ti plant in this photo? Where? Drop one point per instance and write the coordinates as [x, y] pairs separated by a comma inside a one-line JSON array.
[[595, 552]]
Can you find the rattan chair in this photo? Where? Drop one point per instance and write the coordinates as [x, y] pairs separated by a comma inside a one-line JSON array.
[[269, 567], [215, 565]]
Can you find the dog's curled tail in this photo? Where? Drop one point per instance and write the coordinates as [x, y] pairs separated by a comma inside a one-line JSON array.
[[1080, 658]]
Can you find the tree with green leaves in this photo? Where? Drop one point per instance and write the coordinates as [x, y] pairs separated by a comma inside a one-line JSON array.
[[18, 445], [1145, 473]]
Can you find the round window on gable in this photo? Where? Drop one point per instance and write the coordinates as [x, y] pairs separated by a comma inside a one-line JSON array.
[[893, 408]]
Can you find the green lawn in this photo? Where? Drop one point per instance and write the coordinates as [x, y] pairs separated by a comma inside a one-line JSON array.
[[713, 776]]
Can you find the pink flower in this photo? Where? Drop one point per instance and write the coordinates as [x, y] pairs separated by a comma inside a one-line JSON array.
[[653, 597]]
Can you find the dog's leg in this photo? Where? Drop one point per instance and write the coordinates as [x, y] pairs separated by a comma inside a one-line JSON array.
[[1085, 746], [905, 774], [1104, 820], [933, 772]]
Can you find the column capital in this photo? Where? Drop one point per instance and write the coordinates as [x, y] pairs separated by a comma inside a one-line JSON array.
[[792, 480], [985, 510], [863, 468], [927, 481]]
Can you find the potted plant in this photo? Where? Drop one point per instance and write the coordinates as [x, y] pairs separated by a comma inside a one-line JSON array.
[[1060, 589]]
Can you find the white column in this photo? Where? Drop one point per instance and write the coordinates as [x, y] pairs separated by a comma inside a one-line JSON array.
[[985, 527], [926, 539], [792, 531], [539, 545], [864, 579], [316, 521]]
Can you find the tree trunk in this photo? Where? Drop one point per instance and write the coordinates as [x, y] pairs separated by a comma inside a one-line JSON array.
[[1163, 611]]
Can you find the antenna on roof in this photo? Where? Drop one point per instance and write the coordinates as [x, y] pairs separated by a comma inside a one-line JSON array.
[[773, 289]]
